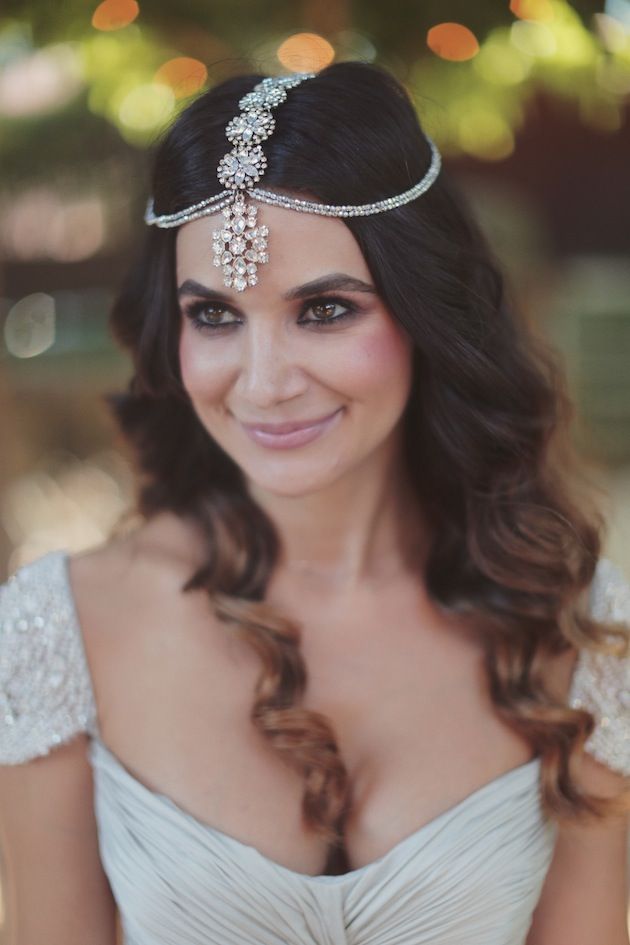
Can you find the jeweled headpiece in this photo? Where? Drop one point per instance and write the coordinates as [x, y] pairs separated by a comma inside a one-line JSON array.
[[241, 245]]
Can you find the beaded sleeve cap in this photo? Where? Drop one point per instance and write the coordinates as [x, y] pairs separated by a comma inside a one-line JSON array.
[[46, 695], [601, 681]]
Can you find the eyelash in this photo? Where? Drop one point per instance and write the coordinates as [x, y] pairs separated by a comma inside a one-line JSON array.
[[194, 310]]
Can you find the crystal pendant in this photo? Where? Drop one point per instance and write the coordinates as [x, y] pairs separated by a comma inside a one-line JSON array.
[[238, 250]]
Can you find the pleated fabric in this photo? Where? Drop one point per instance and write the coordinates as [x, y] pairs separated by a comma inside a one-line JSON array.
[[471, 876]]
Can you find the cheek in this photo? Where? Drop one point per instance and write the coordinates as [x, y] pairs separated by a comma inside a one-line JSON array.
[[200, 374], [380, 366]]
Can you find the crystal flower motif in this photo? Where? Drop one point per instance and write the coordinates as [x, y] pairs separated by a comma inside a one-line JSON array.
[[269, 96], [251, 127], [241, 167]]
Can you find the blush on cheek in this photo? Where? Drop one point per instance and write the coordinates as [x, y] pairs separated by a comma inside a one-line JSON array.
[[379, 359]]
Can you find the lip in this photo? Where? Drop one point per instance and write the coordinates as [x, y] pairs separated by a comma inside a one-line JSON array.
[[298, 436], [288, 426]]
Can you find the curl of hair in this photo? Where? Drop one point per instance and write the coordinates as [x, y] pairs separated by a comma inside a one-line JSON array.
[[512, 552]]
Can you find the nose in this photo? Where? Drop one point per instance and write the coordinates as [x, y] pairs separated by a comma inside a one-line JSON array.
[[267, 373]]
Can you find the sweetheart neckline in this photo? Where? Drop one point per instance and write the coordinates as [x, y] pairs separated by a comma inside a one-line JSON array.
[[476, 794], [95, 736]]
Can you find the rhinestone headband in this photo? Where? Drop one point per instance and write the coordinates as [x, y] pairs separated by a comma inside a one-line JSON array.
[[240, 245]]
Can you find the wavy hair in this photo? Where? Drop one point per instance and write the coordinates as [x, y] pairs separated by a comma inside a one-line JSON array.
[[512, 550]]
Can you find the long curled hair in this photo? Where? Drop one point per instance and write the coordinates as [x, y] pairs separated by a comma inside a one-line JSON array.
[[511, 550]]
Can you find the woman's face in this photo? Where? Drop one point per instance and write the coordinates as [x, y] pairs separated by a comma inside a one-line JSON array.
[[278, 354]]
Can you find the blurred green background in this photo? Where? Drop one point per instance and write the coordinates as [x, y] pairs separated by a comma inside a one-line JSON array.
[[528, 101]]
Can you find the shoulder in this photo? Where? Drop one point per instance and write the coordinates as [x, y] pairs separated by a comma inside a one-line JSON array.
[[601, 681], [45, 688]]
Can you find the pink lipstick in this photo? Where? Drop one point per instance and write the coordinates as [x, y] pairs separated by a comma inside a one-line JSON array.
[[284, 436]]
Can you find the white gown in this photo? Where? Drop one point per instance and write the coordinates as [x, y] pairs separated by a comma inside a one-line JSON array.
[[470, 876]]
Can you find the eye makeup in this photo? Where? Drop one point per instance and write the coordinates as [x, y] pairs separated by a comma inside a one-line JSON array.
[[195, 311]]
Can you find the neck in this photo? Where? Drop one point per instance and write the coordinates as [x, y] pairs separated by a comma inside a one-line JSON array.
[[362, 530]]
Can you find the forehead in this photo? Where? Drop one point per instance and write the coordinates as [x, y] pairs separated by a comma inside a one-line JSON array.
[[301, 246]]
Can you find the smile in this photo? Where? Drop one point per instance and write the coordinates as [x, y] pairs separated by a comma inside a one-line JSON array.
[[295, 437]]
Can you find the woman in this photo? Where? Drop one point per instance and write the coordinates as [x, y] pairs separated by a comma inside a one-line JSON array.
[[364, 683]]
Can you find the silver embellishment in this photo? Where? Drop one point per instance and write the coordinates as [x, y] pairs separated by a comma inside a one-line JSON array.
[[240, 246], [601, 681], [46, 694], [238, 250]]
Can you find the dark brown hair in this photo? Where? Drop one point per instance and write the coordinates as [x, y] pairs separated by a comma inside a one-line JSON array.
[[512, 551]]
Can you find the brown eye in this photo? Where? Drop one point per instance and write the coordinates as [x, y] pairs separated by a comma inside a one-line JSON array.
[[324, 312], [324, 309]]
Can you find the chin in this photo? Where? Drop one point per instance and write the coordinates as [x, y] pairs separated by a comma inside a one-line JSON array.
[[295, 479], [290, 484]]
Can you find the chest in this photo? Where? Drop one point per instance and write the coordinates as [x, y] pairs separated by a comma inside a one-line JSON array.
[[404, 691]]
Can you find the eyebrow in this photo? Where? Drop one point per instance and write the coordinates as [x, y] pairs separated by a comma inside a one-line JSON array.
[[327, 283]]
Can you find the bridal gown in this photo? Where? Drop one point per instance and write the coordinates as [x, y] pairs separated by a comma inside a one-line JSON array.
[[470, 876]]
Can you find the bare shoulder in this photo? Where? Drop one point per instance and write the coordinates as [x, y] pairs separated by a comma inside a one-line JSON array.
[[142, 635], [132, 577], [132, 583], [164, 547]]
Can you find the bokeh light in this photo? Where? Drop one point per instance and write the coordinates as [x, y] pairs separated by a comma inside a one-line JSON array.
[[118, 64], [532, 9], [452, 41], [146, 108], [183, 75], [65, 503], [500, 63], [305, 52], [41, 81], [114, 14], [29, 328], [484, 133], [614, 34], [534, 39], [74, 229]]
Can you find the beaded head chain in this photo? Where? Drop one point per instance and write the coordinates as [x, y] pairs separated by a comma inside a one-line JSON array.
[[240, 245]]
